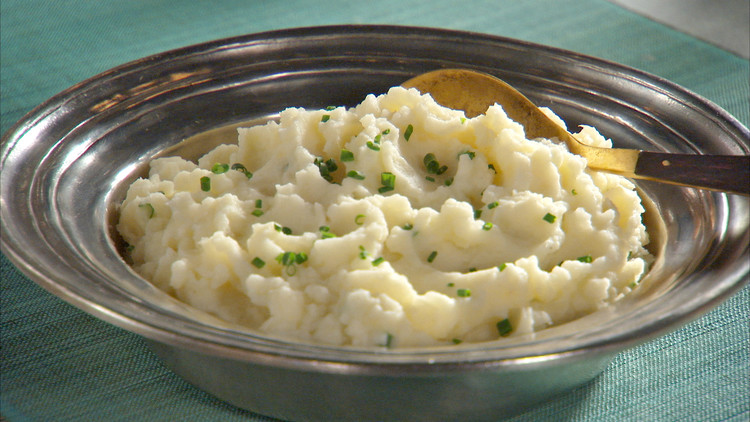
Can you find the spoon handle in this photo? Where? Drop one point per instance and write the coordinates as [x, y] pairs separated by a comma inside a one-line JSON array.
[[728, 173]]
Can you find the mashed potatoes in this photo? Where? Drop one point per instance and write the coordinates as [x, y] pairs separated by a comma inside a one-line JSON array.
[[395, 223]]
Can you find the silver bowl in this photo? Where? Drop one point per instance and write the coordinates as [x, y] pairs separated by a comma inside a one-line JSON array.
[[66, 166]]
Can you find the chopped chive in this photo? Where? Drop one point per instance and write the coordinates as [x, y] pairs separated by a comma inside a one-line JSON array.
[[487, 226], [448, 181], [471, 154], [359, 219], [573, 191], [457, 340], [354, 174], [205, 183], [504, 328], [407, 133], [325, 118], [300, 257], [492, 205], [372, 146], [388, 340], [587, 259], [148, 207], [258, 203], [429, 178], [285, 230], [377, 261], [491, 167], [329, 108], [362, 252], [472, 269], [477, 214], [432, 256], [463, 120], [502, 266], [385, 132], [463, 292], [326, 167], [377, 138], [257, 212], [259, 263], [388, 180], [219, 168], [239, 167], [346, 155], [285, 258], [549, 218], [407, 226], [432, 165], [451, 284], [325, 232]]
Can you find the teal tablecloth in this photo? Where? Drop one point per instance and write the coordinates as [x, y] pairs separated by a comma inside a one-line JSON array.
[[61, 364]]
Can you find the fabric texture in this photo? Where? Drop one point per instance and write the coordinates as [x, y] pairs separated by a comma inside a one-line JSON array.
[[58, 363]]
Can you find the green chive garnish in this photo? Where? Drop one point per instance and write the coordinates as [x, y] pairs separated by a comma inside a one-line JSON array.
[[457, 341], [492, 205], [239, 167], [325, 232], [463, 292], [359, 219], [388, 180], [477, 214], [432, 256], [377, 261], [471, 154], [448, 181], [259, 263], [205, 183], [407, 226], [326, 167], [258, 203], [325, 118], [149, 209], [219, 168], [372, 146], [354, 174], [487, 226], [362, 252], [587, 259], [408, 132], [502, 266], [429, 178], [257, 212], [388, 340], [504, 328], [346, 155], [549, 218]]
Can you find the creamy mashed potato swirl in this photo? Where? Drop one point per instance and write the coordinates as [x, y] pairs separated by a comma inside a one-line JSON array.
[[395, 223]]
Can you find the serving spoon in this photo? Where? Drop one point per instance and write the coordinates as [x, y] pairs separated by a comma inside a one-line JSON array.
[[474, 92]]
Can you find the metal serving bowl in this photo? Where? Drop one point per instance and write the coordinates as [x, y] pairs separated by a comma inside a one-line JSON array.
[[67, 164]]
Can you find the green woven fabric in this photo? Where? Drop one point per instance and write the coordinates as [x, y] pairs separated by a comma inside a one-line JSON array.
[[58, 363]]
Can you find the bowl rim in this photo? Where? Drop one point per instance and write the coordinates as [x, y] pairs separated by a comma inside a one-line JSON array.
[[338, 358]]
